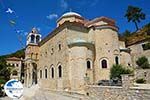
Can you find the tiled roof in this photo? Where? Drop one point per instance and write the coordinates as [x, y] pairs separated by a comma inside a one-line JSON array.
[[13, 59]]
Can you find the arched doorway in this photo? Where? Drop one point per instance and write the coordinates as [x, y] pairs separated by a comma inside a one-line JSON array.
[[34, 73]]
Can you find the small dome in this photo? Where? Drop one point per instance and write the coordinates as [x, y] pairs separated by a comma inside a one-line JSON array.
[[71, 14]]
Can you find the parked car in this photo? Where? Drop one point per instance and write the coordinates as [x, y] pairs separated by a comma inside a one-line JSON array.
[[114, 82]]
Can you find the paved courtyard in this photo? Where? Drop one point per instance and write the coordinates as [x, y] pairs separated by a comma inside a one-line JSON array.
[[35, 93]]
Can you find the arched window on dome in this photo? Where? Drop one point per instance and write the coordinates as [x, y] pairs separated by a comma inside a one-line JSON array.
[[104, 63]]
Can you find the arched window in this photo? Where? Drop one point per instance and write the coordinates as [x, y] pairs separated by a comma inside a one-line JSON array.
[[59, 46], [104, 63], [37, 39], [60, 71], [36, 55], [15, 72], [31, 55], [45, 73], [117, 60], [40, 73], [32, 38], [29, 75], [52, 51], [88, 65], [52, 71]]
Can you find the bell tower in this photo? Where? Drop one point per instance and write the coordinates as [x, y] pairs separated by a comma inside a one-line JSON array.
[[34, 37], [32, 48], [32, 57]]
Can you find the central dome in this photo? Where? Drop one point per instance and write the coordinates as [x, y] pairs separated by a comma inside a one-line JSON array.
[[71, 14], [69, 17]]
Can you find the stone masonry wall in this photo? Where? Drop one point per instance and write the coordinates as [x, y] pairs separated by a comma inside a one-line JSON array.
[[117, 93], [125, 92], [143, 73]]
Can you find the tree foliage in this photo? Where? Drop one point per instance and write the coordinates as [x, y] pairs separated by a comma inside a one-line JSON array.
[[135, 15], [146, 46], [18, 54], [117, 70], [127, 33], [142, 62], [4, 71]]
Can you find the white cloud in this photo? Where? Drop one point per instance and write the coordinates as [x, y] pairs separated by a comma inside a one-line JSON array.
[[52, 16], [64, 4]]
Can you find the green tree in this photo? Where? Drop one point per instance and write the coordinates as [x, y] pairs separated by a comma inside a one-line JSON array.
[[126, 33], [4, 71], [143, 62], [135, 15], [117, 70]]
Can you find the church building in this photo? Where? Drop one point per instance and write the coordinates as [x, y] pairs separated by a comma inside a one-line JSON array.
[[77, 52]]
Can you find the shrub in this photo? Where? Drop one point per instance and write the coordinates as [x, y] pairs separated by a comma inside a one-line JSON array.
[[2, 81], [117, 70], [141, 80], [146, 46], [143, 62]]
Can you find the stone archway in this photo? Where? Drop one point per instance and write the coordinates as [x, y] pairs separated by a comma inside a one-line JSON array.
[[34, 73]]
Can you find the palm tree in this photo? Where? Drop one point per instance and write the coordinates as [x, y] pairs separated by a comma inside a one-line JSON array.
[[135, 15]]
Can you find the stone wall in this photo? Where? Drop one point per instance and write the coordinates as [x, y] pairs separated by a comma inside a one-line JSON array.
[[128, 91], [137, 51], [117, 93], [143, 73]]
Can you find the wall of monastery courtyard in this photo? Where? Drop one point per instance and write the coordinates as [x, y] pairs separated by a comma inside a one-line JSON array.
[[138, 51], [117, 93], [125, 92]]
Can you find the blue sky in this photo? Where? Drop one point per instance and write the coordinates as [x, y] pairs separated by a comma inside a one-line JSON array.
[[44, 13]]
